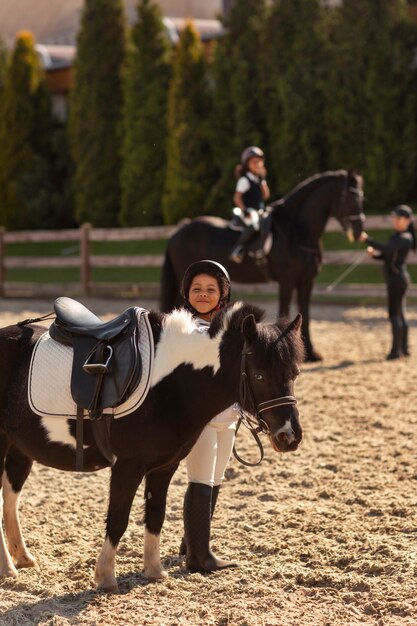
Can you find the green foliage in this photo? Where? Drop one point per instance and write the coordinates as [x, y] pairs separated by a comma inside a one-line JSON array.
[[237, 117], [189, 163], [95, 112], [292, 66], [25, 126], [145, 128], [371, 98]]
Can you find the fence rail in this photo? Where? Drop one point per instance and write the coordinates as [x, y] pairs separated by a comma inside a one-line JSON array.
[[86, 261]]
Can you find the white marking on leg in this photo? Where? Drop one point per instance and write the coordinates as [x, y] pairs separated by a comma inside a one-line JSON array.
[[105, 575], [17, 547], [151, 557], [287, 431], [6, 563]]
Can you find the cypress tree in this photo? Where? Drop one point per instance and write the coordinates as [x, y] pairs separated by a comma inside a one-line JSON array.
[[237, 119], [24, 128], [371, 98], [189, 166], [293, 58], [144, 124], [95, 112]]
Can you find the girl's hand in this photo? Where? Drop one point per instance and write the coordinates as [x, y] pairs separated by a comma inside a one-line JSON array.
[[363, 237], [370, 250]]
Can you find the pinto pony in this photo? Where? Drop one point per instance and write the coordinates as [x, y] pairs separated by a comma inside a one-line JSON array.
[[194, 377]]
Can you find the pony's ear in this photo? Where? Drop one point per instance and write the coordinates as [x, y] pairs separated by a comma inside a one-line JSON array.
[[295, 325], [249, 327]]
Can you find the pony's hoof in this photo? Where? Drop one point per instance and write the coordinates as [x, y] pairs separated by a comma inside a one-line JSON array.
[[313, 357], [25, 561], [155, 575], [8, 571], [107, 584]]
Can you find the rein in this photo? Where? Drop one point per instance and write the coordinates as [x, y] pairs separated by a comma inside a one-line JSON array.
[[251, 418]]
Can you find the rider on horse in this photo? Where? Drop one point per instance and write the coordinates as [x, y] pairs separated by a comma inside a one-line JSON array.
[[250, 195]]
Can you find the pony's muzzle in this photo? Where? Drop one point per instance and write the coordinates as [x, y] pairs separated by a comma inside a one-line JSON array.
[[288, 437]]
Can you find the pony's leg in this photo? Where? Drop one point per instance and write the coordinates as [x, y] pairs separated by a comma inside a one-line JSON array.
[[7, 567], [18, 468], [125, 479], [304, 290], [157, 483], [285, 295]]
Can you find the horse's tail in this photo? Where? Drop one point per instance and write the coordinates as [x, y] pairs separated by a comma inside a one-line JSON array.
[[169, 295]]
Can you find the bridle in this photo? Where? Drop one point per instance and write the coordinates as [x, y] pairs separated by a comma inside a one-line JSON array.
[[348, 218], [251, 417]]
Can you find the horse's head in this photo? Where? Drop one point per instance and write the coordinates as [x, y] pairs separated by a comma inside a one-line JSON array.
[[271, 357], [350, 207]]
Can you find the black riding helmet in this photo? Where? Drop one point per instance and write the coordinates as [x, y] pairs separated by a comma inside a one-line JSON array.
[[212, 268]]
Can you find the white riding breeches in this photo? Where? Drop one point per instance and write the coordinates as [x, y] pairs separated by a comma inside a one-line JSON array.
[[208, 459]]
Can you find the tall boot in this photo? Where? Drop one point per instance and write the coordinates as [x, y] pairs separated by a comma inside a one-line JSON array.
[[197, 523], [405, 348], [239, 251], [395, 352], [214, 496]]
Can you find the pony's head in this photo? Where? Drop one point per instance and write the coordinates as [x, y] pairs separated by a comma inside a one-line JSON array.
[[270, 358]]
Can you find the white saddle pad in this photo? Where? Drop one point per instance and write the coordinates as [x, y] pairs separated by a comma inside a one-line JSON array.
[[49, 383]]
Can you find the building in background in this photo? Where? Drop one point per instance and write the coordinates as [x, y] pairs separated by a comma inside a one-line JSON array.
[[55, 23]]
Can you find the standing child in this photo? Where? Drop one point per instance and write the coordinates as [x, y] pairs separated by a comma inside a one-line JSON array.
[[206, 289], [394, 254], [250, 195]]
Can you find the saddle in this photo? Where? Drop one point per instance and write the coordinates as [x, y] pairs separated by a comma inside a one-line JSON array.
[[107, 365]]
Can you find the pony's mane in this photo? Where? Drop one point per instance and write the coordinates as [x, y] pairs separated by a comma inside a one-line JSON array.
[[232, 316]]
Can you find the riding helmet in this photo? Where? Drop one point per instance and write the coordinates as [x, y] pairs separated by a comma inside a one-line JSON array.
[[402, 210], [251, 151], [212, 268]]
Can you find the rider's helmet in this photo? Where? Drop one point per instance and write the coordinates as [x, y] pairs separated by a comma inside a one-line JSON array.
[[251, 151], [403, 210], [212, 268]]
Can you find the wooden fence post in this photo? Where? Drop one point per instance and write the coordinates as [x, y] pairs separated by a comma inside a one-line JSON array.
[[2, 261], [85, 269]]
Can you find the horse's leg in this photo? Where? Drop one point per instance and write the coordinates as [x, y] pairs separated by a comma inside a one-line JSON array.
[[304, 290], [18, 468], [7, 567], [157, 483], [285, 295], [126, 476]]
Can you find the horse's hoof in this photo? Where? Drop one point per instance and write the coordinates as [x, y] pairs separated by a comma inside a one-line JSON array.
[[25, 561], [113, 589], [313, 357], [155, 575], [8, 571]]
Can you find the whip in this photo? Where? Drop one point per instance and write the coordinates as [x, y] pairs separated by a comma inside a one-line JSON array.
[[346, 272]]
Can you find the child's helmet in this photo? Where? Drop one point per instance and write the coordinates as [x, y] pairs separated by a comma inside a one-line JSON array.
[[251, 151], [212, 268]]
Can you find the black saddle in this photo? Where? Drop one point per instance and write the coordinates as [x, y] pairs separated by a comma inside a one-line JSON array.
[[107, 365]]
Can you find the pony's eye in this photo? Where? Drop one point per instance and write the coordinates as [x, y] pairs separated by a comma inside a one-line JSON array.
[[258, 376]]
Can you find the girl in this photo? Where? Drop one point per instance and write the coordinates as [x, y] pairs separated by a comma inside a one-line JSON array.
[[394, 254], [205, 289], [250, 195]]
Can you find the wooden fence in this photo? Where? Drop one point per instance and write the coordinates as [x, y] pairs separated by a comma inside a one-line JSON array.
[[86, 261]]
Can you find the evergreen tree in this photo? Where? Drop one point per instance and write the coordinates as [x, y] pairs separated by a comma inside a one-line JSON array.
[[144, 124], [189, 163], [371, 98], [95, 112], [25, 124], [293, 59], [237, 119]]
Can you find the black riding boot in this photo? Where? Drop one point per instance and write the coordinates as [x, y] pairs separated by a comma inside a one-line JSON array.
[[239, 250], [197, 522], [214, 496], [395, 352], [405, 348]]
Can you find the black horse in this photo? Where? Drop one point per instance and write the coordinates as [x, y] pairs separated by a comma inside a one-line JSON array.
[[297, 222], [194, 376]]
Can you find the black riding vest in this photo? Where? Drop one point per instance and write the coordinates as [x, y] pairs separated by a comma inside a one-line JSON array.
[[394, 253], [252, 198]]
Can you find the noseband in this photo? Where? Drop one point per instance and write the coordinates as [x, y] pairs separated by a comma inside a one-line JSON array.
[[251, 417], [348, 189]]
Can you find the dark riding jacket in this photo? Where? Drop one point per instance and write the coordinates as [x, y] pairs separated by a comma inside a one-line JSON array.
[[394, 253]]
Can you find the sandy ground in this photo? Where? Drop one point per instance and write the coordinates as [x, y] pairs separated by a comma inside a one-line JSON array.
[[323, 536]]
